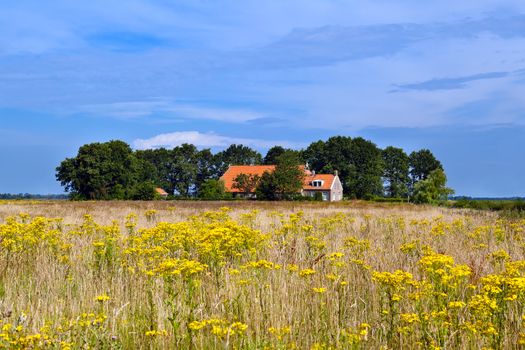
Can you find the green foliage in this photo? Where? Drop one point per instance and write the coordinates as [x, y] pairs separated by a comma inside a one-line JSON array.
[[112, 170], [288, 176], [433, 188], [246, 183], [358, 161], [181, 170], [99, 171], [422, 163], [237, 155], [367, 164], [144, 191], [318, 197], [267, 188], [273, 154], [285, 181], [212, 189], [517, 205], [395, 173]]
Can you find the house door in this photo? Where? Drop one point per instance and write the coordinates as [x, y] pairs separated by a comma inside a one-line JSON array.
[[325, 196]]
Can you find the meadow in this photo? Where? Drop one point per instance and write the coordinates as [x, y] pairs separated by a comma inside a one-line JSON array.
[[249, 275]]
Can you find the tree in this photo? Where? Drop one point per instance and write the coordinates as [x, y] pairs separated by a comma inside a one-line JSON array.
[[334, 154], [315, 155], [395, 173], [275, 152], [144, 191], [183, 169], [99, 171], [367, 165], [288, 175], [358, 162], [285, 181], [155, 167], [266, 189], [433, 188], [212, 189], [246, 183], [237, 155], [272, 154], [207, 168], [422, 163]]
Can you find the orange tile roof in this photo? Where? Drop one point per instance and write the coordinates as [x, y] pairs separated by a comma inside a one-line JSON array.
[[161, 191], [235, 170], [327, 179]]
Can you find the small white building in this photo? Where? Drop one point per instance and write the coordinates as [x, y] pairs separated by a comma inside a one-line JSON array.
[[328, 185]]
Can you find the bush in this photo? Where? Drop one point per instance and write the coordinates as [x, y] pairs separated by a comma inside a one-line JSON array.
[[318, 196], [144, 192], [213, 190]]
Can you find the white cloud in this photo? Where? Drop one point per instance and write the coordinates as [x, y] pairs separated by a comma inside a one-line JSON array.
[[199, 139], [140, 109]]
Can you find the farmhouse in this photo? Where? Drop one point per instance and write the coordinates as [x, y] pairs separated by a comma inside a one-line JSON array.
[[161, 193], [328, 185]]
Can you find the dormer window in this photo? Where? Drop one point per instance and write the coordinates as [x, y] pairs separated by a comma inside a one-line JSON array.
[[317, 183]]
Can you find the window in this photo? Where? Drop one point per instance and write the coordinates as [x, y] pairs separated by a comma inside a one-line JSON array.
[[317, 183]]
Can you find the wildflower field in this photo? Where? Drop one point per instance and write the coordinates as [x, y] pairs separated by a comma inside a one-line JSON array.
[[184, 275]]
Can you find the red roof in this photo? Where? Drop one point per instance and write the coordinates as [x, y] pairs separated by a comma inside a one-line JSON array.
[[235, 170], [326, 182], [161, 192]]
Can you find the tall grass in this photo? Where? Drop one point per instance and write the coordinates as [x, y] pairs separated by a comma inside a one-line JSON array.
[[258, 275]]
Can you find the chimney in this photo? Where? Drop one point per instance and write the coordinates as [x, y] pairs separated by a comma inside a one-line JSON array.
[[336, 173], [313, 172]]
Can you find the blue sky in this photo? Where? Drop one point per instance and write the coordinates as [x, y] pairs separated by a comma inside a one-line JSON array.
[[443, 75]]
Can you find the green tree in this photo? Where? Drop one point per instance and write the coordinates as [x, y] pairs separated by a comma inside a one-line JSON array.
[[272, 155], [288, 175], [246, 183], [267, 189], [358, 162], [367, 169], [155, 167], [183, 169], [334, 154], [144, 191], [395, 173], [315, 155], [433, 188], [285, 181], [212, 189], [275, 152], [422, 163], [207, 168], [99, 171], [237, 155]]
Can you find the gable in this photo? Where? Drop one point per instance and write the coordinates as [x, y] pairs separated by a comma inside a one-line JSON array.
[[326, 182]]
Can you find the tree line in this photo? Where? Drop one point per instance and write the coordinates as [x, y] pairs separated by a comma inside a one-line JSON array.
[[113, 170]]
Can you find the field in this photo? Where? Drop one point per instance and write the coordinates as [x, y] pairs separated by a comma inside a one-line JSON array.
[[197, 275]]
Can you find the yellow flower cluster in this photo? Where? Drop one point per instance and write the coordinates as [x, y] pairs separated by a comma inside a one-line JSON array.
[[242, 279], [220, 328]]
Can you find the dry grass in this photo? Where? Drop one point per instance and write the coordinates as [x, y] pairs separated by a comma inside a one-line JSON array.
[[269, 279]]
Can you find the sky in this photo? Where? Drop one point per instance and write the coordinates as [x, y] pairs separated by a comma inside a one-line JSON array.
[[444, 75]]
